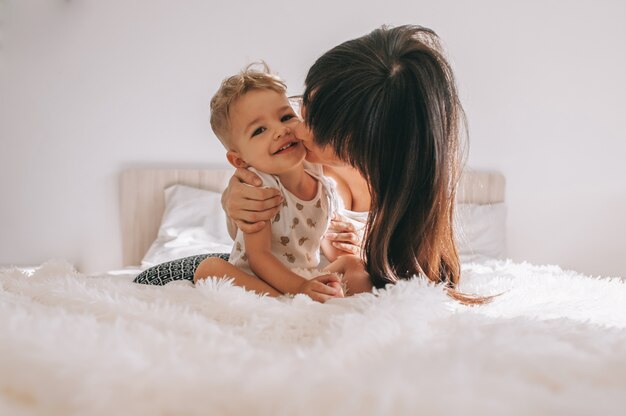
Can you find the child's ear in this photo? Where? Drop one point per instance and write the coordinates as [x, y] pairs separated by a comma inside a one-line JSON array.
[[236, 160]]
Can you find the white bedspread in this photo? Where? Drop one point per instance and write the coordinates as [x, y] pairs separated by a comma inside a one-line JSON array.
[[553, 343]]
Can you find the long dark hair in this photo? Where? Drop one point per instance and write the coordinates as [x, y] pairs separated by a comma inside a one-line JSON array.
[[387, 104]]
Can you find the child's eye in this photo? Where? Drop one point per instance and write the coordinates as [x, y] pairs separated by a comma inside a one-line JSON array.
[[286, 117], [258, 131]]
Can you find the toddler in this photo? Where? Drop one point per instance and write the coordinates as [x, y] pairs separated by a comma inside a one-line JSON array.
[[252, 117]]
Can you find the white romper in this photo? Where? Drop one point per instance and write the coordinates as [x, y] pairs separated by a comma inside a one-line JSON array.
[[299, 226]]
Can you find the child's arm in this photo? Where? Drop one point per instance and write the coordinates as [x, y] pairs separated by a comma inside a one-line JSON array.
[[267, 267]]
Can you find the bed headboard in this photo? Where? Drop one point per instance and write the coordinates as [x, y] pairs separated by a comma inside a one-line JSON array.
[[143, 203]]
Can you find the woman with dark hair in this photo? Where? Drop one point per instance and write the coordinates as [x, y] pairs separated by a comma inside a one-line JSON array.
[[382, 113]]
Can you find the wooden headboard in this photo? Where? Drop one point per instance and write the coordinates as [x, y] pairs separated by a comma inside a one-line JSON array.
[[143, 202]]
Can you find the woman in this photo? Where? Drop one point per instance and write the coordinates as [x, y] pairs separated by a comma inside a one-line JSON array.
[[382, 113]]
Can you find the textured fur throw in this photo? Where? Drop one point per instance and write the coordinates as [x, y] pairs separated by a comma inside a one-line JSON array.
[[554, 342]]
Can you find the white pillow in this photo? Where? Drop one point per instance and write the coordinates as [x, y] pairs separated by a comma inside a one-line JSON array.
[[480, 231], [193, 223]]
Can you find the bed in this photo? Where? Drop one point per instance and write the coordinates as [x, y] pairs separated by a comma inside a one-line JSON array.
[[552, 342]]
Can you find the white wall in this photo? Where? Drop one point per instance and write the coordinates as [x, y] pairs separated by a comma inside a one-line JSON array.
[[88, 88]]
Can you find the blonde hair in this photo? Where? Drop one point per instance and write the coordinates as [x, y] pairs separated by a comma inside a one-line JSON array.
[[236, 86]]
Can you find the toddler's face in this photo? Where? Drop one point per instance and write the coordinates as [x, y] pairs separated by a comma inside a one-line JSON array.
[[261, 128]]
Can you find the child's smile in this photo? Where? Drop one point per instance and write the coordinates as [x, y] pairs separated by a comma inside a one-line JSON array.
[[289, 147]]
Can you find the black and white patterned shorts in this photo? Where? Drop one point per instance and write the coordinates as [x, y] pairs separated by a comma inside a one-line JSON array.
[[180, 269]]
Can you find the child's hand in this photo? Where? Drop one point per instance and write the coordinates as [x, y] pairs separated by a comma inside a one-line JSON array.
[[322, 288]]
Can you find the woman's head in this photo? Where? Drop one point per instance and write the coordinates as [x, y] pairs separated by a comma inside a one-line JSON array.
[[315, 153], [386, 103]]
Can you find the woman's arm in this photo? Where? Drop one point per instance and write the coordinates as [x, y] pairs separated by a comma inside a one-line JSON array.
[[247, 206]]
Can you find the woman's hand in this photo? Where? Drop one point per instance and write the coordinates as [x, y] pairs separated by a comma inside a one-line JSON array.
[[249, 206], [343, 236], [322, 288]]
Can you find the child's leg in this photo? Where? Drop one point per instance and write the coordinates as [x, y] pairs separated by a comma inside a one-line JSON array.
[[356, 279], [214, 266]]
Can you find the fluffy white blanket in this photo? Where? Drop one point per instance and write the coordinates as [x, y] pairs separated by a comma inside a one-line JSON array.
[[553, 343]]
